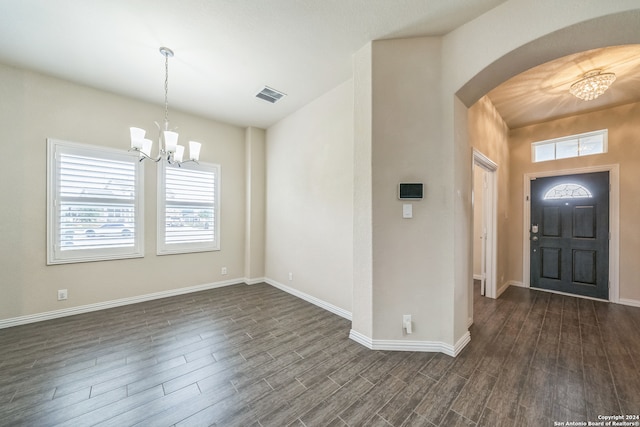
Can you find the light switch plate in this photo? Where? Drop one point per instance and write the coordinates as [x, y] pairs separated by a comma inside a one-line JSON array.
[[407, 210]]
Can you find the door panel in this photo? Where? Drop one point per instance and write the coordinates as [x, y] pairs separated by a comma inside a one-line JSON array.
[[551, 222], [584, 267], [570, 234], [551, 262], [584, 222]]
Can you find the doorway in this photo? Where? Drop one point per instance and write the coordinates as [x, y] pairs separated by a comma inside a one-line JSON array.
[[485, 206], [569, 234], [570, 265]]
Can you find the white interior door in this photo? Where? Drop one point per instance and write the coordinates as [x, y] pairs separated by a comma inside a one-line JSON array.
[[485, 223]]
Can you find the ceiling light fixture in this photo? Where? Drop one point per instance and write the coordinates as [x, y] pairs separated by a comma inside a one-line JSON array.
[[592, 85], [167, 139]]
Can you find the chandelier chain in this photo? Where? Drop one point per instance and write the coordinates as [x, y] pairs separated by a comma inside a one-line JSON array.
[[168, 147], [166, 91]]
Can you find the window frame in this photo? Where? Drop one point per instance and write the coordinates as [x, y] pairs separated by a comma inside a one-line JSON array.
[[55, 255], [577, 138], [163, 248]]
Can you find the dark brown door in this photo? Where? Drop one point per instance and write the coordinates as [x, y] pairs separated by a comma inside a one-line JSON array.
[[569, 234]]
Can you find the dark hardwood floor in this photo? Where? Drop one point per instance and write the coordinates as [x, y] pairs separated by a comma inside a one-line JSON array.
[[256, 356]]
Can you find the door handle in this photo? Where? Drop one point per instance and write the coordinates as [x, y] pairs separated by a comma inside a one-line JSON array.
[[534, 238]]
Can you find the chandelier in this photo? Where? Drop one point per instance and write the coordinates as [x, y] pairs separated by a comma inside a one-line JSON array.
[[168, 147], [592, 85]]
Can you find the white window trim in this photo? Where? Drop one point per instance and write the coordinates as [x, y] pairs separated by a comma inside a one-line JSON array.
[[554, 141], [172, 249], [55, 256]]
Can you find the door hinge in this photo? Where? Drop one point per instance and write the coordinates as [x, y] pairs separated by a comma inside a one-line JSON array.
[[526, 198]]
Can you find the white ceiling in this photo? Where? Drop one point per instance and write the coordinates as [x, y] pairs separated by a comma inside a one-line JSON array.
[[542, 93], [225, 50]]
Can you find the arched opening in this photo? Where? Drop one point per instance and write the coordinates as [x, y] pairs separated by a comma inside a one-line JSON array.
[[577, 38]]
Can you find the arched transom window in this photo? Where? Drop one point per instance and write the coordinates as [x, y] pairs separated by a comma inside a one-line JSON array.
[[567, 191]]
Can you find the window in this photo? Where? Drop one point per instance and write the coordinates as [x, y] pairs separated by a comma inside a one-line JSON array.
[[570, 146], [94, 203], [567, 191], [188, 208]]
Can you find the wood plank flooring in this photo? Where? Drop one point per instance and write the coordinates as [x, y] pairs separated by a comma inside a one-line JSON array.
[[256, 356]]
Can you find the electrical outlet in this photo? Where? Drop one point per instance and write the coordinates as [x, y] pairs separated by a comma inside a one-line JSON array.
[[223, 271], [62, 294], [406, 323], [290, 276]]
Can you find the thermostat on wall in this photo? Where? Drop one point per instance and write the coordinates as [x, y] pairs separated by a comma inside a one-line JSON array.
[[410, 191]]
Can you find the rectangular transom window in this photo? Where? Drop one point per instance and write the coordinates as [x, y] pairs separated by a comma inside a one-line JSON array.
[[583, 144], [188, 208], [94, 208]]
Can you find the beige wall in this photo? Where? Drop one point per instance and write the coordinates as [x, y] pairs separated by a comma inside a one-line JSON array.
[[254, 235], [406, 147], [309, 215], [489, 134], [33, 108], [623, 124]]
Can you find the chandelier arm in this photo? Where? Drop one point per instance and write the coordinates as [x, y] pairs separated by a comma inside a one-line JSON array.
[[144, 155]]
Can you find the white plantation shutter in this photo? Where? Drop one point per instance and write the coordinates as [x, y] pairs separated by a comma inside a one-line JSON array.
[[94, 208], [188, 208]]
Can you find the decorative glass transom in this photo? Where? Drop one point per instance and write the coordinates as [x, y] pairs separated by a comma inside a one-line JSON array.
[[567, 191]]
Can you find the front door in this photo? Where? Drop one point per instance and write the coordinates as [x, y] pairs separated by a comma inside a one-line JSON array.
[[569, 234]]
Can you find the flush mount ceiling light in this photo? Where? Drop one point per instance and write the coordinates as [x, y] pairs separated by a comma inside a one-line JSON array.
[[168, 147], [592, 85]]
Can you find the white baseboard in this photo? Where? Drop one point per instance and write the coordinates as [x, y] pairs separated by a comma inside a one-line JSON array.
[[505, 286], [400, 345], [309, 298], [515, 283], [32, 318], [255, 281], [631, 302]]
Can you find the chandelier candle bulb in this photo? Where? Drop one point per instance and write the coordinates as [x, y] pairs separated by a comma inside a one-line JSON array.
[[179, 153], [136, 144], [170, 141], [137, 135], [146, 148], [194, 150]]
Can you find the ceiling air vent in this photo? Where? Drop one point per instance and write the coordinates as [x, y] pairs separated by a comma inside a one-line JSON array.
[[270, 95]]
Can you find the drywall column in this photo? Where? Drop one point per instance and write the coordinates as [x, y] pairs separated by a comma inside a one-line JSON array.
[[411, 260], [455, 130], [255, 205]]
